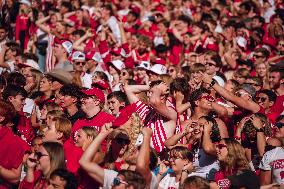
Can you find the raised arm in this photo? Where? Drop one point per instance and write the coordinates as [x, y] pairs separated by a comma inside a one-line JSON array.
[[40, 24], [77, 45], [143, 160], [132, 90], [207, 143], [240, 102], [93, 169]]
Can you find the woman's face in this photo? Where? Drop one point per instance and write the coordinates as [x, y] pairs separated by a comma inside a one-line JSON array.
[[80, 139], [186, 39], [50, 133], [172, 72], [112, 70], [261, 70], [45, 85], [119, 146], [43, 161], [222, 151], [43, 113]]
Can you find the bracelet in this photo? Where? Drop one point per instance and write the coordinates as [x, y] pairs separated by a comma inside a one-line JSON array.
[[213, 82], [259, 130]]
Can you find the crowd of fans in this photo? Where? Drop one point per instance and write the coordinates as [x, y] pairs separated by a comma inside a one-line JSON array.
[[136, 94]]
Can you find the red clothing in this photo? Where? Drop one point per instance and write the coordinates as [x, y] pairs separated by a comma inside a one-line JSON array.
[[39, 182], [11, 153], [278, 107], [25, 128], [72, 156], [22, 25]]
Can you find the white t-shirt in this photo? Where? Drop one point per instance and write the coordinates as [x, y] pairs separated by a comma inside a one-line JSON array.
[[110, 175], [86, 80], [273, 161], [169, 182], [11, 68], [203, 163]]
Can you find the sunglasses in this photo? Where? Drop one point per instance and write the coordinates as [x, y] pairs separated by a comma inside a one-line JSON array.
[[279, 125], [117, 181], [210, 64], [78, 63], [123, 73], [221, 146], [262, 99], [39, 155], [257, 56], [171, 70], [281, 44], [208, 97]]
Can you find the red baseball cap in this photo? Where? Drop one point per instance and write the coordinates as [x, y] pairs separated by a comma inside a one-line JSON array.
[[95, 92], [124, 115]]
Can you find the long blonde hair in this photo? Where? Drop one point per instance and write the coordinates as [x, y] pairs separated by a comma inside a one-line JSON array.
[[236, 159]]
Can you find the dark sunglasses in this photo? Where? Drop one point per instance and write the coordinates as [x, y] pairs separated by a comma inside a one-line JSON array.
[[279, 125], [123, 73], [262, 99], [117, 181], [78, 63], [221, 146], [257, 56], [281, 44]]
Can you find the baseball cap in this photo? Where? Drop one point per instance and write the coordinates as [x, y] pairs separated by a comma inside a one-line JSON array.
[[241, 41], [158, 69], [26, 2], [77, 55], [61, 75], [124, 115], [30, 63], [118, 64], [144, 64], [94, 55], [65, 43], [219, 80], [249, 89], [95, 92]]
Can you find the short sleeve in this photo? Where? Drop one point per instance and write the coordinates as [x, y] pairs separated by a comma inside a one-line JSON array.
[[109, 176], [265, 161]]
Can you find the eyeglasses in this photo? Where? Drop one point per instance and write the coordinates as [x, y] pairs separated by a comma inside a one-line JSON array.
[[279, 125], [221, 146], [257, 56], [39, 155], [210, 64], [78, 63], [117, 181], [208, 97], [262, 99]]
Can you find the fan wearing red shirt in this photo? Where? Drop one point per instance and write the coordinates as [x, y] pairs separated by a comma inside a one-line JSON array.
[[11, 162], [276, 82]]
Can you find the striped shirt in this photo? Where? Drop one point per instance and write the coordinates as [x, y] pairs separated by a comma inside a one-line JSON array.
[[155, 121]]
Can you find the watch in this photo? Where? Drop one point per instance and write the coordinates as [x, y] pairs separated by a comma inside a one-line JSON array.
[[213, 82], [259, 130]]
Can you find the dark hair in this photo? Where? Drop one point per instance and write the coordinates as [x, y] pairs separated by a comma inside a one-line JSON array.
[[109, 8], [271, 95], [215, 133], [13, 90], [15, 47], [71, 90], [67, 5], [279, 118], [7, 111], [133, 178], [260, 19], [16, 78], [263, 51], [68, 177], [181, 85], [153, 159], [183, 151], [79, 32], [195, 95], [119, 95], [185, 19], [276, 69], [195, 182]]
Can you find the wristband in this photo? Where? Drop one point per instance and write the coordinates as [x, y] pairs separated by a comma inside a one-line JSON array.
[[259, 130]]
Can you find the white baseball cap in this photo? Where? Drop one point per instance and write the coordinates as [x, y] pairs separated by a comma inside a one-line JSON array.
[[144, 64], [118, 64], [26, 2], [77, 55], [241, 41], [158, 69], [68, 46], [30, 63]]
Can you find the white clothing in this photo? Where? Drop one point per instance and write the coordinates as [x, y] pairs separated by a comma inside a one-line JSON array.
[[273, 161], [86, 80], [169, 181]]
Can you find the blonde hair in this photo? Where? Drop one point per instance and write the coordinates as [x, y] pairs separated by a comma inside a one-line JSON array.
[[90, 131], [234, 163], [64, 126], [37, 75], [55, 113]]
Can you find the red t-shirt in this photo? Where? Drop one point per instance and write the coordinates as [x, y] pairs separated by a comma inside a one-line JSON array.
[[278, 107], [14, 152]]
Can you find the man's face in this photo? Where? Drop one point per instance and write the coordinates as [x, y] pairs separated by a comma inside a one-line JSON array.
[[258, 58], [255, 23], [243, 94], [79, 65], [66, 101], [114, 105], [56, 182], [274, 80], [205, 101], [58, 50], [88, 103], [18, 102], [210, 66], [3, 34]]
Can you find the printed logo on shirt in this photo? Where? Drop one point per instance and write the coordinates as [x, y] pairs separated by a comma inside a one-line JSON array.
[[277, 164], [224, 183]]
